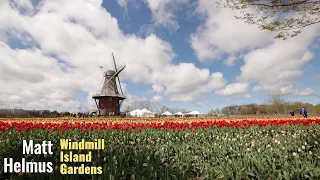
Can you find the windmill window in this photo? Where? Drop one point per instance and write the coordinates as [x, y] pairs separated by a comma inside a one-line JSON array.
[[110, 99]]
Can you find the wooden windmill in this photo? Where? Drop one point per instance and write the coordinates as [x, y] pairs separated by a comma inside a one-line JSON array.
[[109, 100]]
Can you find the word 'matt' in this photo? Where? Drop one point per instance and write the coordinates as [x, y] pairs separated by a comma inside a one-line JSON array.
[[30, 148]]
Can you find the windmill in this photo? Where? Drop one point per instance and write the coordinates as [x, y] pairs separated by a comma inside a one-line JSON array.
[[109, 100]]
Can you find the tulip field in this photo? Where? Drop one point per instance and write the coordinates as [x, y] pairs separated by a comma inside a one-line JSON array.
[[175, 148]]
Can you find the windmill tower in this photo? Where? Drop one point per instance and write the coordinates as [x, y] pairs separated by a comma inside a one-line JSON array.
[[109, 100]]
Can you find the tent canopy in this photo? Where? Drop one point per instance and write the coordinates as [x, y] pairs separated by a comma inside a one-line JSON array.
[[178, 113], [142, 113], [145, 111], [194, 113], [166, 113], [135, 112]]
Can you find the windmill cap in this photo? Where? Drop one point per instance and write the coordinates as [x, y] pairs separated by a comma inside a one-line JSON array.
[[110, 72]]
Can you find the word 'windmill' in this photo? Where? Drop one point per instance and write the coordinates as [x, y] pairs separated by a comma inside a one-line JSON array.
[[109, 99]]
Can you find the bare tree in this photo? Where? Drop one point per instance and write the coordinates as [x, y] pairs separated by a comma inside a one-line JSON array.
[[144, 104], [276, 99], [214, 112], [288, 17]]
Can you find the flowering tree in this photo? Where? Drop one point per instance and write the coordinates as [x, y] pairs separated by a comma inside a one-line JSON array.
[[287, 17]]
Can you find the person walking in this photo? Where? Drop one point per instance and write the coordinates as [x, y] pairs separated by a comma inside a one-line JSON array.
[[304, 112]]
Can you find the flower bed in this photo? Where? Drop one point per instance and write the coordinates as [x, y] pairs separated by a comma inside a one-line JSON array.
[[210, 149]]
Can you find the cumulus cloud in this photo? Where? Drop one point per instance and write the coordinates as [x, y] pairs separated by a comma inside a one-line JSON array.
[[156, 98], [159, 89], [215, 82], [122, 3], [222, 34], [271, 64], [233, 89], [230, 60], [202, 104], [66, 42], [163, 12], [279, 64], [298, 91]]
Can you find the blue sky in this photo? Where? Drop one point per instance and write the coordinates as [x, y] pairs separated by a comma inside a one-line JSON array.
[[132, 19], [183, 53]]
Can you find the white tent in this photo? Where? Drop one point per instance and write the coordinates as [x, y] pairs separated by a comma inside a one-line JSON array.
[[167, 113], [194, 113], [135, 112], [146, 113], [178, 114]]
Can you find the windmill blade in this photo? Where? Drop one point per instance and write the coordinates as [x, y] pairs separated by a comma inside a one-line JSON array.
[[115, 74], [115, 66], [316, 95], [120, 85], [100, 85], [114, 62]]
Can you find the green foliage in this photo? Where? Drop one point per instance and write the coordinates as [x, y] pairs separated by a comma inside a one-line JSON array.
[[282, 152], [274, 107], [273, 15]]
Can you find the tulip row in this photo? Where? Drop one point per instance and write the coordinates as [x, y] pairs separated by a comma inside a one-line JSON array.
[[195, 148], [25, 126], [153, 120]]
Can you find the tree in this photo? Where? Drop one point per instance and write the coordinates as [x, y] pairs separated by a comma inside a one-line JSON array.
[[288, 17], [66, 113], [214, 112], [141, 104], [127, 109], [276, 99]]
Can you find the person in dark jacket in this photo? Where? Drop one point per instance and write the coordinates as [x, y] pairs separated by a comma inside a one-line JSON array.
[[304, 112], [292, 113]]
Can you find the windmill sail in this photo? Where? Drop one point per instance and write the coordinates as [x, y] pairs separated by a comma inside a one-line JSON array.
[[115, 66]]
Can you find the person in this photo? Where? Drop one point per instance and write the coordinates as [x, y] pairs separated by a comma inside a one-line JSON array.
[[304, 112], [292, 113]]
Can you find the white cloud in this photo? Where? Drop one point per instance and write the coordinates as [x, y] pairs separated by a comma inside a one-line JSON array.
[[202, 104], [181, 78], [305, 92], [278, 64], [146, 30], [270, 63], [248, 96], [215, 82], [163, 12], [159, 89], [230, 60], [290, 90], [233, 89], [156, 98], [122, 3], [222, 34], [74, 38]]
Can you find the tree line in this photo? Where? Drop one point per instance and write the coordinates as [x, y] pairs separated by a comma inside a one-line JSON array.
[[275, 105], [267, 109], [31, 113]]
